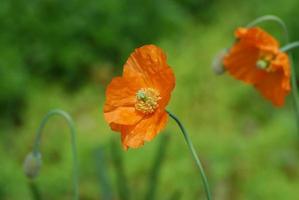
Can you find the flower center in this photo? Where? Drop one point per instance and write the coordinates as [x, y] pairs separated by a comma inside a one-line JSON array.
[[262, 64], [264, 61], [147, 100]]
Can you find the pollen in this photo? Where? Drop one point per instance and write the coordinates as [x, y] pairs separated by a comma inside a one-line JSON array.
[[147, 100]]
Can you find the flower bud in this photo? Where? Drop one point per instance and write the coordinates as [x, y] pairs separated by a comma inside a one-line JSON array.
[[32, 165], [217, 64]]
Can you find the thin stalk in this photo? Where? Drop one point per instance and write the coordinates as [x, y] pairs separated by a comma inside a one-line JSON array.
[[286, 48], [194, 154], [35, 191], [290, 46], [104, 179], [36, 147]]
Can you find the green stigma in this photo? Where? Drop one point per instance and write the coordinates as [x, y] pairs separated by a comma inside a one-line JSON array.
[[262, 64], [147, 100], [141, 95]]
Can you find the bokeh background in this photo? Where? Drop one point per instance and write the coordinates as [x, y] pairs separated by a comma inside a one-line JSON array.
[[62, 54]]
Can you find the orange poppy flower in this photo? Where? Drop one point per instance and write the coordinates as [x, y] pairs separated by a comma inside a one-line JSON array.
[[255, 58], [135, 102]]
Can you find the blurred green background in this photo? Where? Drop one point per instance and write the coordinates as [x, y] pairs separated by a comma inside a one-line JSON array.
[[62, 54]]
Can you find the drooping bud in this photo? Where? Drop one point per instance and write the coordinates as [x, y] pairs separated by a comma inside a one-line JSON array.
[[32, 165], [217, 64]]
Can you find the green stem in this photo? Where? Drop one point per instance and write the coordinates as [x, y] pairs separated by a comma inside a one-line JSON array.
[[285, 48], [36, 147], [194, 154], [290, 46], [34, 190]]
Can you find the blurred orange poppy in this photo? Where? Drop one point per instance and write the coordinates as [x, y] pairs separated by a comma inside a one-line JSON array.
[[135, 102], [255, 58]]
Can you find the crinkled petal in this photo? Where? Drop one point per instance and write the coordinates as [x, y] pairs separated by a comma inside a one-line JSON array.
[[115, 127], [241, 63], [149, 63], [145, 130], [274, 87], [282, 62], [121, 92], [259, 38], [123, 116], [119, 107]]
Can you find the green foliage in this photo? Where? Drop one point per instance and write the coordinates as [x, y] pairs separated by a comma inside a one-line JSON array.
[[201, 10], [63, 38], [55, 40], [248, 148], [292, 22], [12, 85]]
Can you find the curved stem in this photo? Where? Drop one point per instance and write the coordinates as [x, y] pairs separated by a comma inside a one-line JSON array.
[[285, 48], [36, 147], [290, 46], [273, 18], [294, 90], [194, 154]]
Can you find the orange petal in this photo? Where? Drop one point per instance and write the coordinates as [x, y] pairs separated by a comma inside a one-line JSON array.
[[241, 63], [282, 61], [119, 107], [123, 116], [121, 92], [273, 88], [115, 127], [149, 63], [276, 85], [145, 130], [259, 38]]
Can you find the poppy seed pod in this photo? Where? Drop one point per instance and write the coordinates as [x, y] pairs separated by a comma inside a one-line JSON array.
[[32, 165], [217, 64]]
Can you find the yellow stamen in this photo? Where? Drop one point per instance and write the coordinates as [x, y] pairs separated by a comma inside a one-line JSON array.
[[147, 100]]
